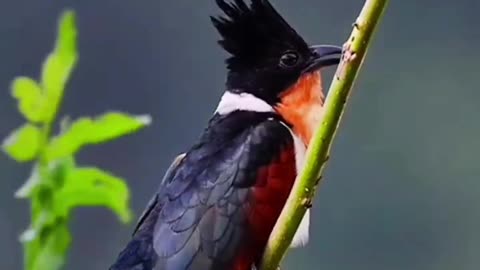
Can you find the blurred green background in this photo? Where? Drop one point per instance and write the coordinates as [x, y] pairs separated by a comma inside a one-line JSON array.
[[402, 187]]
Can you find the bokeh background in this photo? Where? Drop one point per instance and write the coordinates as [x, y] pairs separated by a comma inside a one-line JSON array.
[[402, 187]]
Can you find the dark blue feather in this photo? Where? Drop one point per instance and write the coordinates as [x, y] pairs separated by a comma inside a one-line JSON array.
[[199, 217]]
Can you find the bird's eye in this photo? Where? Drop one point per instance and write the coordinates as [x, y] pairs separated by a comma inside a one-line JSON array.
[[289, 59]]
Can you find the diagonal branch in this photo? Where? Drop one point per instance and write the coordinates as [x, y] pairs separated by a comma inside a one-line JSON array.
[[319, 149]]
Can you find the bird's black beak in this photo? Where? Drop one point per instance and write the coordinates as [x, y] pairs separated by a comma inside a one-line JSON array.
[[324, 56]]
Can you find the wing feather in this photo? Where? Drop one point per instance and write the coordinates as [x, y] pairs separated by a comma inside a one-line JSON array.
[[210, 207]]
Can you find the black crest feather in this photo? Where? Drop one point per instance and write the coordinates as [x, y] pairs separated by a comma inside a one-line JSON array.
[[250, 32]]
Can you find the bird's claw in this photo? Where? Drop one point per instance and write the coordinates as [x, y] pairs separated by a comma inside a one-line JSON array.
[[348, 54]]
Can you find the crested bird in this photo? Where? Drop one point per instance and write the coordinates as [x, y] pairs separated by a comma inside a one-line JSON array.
[[218, 203]]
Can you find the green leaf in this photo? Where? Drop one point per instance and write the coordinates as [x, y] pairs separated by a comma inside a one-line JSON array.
[[30, 99], [56, 172], [23, 144], [53, 252], [93, 187], [59, 65], [27, 189], [59, 170], [93, 131]]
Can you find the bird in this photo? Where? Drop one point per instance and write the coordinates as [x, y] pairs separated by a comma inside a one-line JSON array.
[[217, 204]]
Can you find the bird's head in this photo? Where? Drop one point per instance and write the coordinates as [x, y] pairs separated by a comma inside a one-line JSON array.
[[271, 63]]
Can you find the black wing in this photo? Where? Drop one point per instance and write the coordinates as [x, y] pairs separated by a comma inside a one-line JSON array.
[[139, 253], [199, 217], [151, 204]]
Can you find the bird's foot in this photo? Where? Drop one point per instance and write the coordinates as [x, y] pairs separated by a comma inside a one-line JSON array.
[[348, 54]]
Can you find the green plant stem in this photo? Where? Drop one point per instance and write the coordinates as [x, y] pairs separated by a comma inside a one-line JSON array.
[[318, 152], [42, 198], [33, 247]]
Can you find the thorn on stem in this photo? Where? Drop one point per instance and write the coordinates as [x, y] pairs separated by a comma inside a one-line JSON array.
[[318, 180], [358, 24], [307, 203]]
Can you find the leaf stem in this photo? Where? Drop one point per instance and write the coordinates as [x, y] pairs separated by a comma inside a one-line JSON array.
[[42, 197]]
